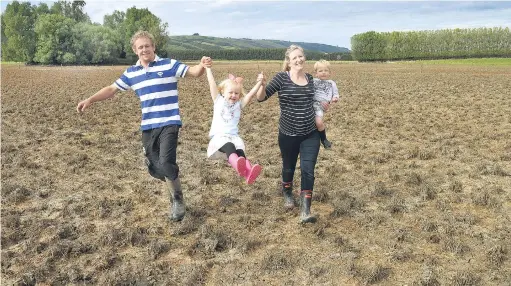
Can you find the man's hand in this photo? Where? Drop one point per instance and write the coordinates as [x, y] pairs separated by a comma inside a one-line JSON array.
[[84, 104], [206, 62]]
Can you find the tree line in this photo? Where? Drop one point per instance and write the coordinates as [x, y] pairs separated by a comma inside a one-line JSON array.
[[64, 34], [437, 44], [253, 54]]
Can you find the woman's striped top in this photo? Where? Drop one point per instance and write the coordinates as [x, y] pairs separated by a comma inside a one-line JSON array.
[[296, 110]]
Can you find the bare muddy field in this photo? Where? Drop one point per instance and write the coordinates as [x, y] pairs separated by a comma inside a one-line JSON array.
[[416, 189]]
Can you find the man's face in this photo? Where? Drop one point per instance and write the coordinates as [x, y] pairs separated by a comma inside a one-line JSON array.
[[144, 49]]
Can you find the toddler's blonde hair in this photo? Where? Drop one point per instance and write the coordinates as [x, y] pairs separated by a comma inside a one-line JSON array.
[[321, 62], [223, 85], [285, 65]]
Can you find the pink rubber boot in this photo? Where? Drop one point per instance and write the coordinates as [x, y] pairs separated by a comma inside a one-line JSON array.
[[238, 163], [252, 172]]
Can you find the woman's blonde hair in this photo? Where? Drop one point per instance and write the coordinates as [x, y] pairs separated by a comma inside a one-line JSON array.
[[323, 63], [223, 85], [141, 34], [285, 65]]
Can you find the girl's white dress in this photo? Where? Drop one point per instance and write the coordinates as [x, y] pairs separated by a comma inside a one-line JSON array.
[[224, 127]]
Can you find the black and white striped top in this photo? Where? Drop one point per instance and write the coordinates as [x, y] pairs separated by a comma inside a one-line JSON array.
[[296, 110]]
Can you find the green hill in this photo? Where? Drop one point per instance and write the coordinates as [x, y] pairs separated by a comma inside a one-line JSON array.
[[214, 43]]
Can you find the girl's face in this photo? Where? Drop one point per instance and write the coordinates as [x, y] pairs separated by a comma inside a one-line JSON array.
[[296, 60], [323, 72], [232, 93]]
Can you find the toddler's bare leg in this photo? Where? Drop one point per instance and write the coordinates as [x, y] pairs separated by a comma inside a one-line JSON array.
[[319, 123]]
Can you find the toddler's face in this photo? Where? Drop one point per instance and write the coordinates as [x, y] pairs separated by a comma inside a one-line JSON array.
[[323, 72], [232, 92]]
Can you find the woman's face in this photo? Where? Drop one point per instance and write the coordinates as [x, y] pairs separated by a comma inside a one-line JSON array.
[[296, 60]]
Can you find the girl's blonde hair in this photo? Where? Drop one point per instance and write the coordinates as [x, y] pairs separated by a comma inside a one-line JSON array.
[[141, 34], [323, 63], [223, 85], [285, 65]]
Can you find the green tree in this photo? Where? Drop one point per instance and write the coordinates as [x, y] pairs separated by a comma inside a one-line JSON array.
[[54, 39], [95, 44], [72, 10], [143, 19], [18, 29], [116, 22], [42, 9]]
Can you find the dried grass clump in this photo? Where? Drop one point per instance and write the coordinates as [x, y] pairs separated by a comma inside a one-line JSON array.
[[465, 278], [277, 261], [374, 274], [496, 255]]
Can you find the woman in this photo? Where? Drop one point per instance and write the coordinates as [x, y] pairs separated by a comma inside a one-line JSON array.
[[298, 134]]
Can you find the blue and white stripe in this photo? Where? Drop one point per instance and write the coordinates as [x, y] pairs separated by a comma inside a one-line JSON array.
[[156, 87]]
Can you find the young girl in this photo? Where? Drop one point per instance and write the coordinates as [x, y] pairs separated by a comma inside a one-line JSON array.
[[225, 143]]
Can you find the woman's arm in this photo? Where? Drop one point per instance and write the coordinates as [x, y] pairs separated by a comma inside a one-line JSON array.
[[272, 87]]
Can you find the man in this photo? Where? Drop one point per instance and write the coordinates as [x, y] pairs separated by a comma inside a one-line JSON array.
[[154, 80]]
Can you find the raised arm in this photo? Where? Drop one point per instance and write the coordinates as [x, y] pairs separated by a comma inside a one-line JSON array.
[[260, 93], [271, 88], [213, 88], [104, 93], [198, 70], [257, 87]]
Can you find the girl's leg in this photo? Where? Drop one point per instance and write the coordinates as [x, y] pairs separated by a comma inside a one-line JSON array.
[[237, 162], [240, 153], [228, 149], [309, 149], [251, 171], [289, 149]]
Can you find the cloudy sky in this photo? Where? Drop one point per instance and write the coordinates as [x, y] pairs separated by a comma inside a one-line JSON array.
[[326, 22]]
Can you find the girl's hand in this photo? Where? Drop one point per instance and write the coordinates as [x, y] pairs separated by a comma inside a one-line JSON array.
[[261, 78]]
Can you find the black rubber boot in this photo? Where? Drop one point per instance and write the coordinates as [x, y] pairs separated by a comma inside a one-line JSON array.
[[327, 144], [177, 210], [306, 201], [287, 191]]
